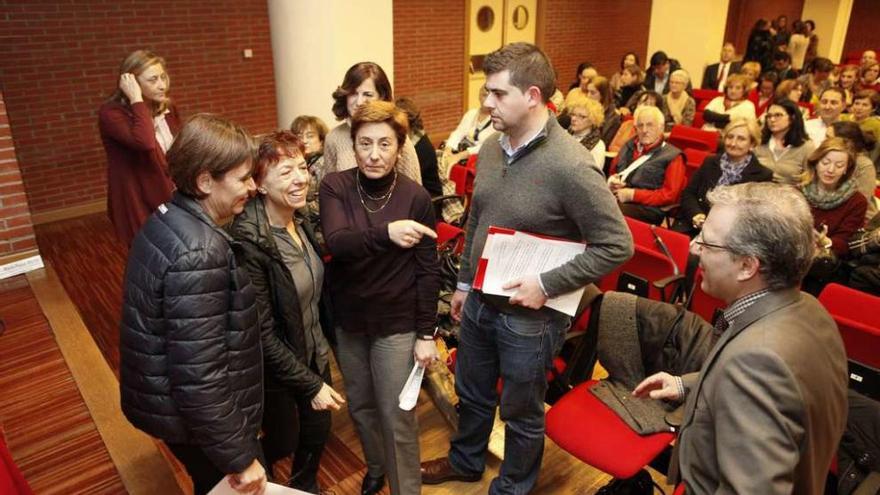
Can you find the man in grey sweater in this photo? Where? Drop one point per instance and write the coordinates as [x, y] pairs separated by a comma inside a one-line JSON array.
[[536, 178]]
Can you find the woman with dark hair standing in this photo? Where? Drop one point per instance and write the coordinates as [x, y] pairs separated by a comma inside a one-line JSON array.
[[384, 280], [138, 124], [785, 145], [190, 368], [363, 82], [282, 256]]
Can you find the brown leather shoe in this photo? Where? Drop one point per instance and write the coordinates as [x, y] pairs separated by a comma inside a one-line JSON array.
[[439, 471]]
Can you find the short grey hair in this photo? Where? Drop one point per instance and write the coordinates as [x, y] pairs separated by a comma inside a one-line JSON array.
[[774, 224], [651, 112], [683, 74]]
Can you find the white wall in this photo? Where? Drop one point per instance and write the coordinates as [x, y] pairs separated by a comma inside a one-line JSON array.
[[832, 21], [690, 31], [315, 41]]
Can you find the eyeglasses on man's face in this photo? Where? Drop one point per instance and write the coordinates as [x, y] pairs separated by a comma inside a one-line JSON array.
[[698, 240]]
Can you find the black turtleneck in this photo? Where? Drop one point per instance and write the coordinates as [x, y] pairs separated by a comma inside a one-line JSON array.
[[376, 286]]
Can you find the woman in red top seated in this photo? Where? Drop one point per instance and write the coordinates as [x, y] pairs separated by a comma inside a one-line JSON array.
[[650, 172], [837, 206], [138, 124]]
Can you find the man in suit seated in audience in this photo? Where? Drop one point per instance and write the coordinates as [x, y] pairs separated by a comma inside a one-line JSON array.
[[716, 74], [768, 409], [831, 105], [650, 173], [782, 66]]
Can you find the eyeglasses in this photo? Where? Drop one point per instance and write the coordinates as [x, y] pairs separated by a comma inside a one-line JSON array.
[[698, 240]]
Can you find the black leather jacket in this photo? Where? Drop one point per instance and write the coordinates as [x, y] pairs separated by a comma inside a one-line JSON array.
[[191, 366]]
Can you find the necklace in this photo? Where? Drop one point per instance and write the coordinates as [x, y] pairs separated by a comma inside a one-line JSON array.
[[385, 197]]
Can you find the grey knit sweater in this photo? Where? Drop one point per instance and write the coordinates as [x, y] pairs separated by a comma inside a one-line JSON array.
[[552, 188]]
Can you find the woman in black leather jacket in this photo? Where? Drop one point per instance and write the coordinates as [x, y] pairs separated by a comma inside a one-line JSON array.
[[190, 367], [284, 262]]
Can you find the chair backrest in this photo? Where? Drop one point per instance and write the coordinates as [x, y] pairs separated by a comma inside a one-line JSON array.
[[701, 95], [649, 262], [698, 119], [858, 320], [703, 304], [809, 106], [450, 234], [689, 137], [693, 160]]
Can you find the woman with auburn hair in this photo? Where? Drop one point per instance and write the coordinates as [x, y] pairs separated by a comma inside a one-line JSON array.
[[384, 282], [837, 206], [363, 82], [137, 125], [599, 89], [191, 366], [283, 257], [629, 58]]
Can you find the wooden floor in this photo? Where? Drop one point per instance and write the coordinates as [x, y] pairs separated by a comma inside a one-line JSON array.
[[90, 264]]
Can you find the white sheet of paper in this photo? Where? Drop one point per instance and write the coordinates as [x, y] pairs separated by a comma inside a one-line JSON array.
[[410, 393], [224, 488], [521, 254]]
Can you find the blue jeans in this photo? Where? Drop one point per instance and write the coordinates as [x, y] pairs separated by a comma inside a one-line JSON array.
[[519, 349]]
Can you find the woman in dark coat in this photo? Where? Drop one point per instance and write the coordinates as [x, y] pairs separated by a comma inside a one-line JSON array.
[[283, 258], [190, 361], [736, 165], [138, 124]]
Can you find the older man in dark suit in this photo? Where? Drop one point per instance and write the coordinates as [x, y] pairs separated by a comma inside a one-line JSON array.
[[767, 411], [715, 75]]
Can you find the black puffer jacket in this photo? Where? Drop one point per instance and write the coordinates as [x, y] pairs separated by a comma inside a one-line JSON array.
[[284, 347], [191, 367]]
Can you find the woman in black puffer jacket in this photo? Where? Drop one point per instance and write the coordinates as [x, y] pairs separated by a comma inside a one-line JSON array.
[[191, 366]]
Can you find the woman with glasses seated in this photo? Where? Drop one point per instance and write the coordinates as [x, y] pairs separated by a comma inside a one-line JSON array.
[[735, 165], [785, 145]]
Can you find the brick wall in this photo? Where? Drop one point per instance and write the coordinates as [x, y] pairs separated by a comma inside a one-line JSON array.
[[863, 32], [59, 62], [16, 231], [742, 15], [429, 55], [597, 31]]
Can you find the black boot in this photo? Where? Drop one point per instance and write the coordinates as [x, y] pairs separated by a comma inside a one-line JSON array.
[[304, 471], [371, 486]]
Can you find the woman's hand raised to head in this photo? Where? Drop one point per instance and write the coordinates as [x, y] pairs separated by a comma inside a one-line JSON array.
[[130, 87], [408, 233]]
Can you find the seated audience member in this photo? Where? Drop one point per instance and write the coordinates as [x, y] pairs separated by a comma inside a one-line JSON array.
[[816, 81], [627, 129], [849, 76], [657, 78], [752, 72], [861, 144], [837, 206], [650, 172], [765, 93], [864, 248], [868, 57], [587, 116], [679, 105], [472, 130], [734, 104], [630, 58], [190, 360], [716, 74], [283, 259], [797, 45], [312, 131], [782, 66], [864, 112], [363, 82], [828, 110], [630, 83], [785, 145], [767, 411], [868, 76], [792, 89], [599, 89], [585, 70], [424, 148], [735, 165], [760, 45]]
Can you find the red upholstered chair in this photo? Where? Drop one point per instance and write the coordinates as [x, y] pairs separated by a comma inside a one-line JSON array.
[[693, 160], [703, 304], [679, 490], [661, 269], [12, 482], [450, 235], [858, 320], [707, 95], [684, 136], [809, 106], [698, 120]]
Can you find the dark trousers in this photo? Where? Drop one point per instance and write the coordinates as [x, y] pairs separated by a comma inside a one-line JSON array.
[[649, 214], [520, 350], [201, 470], [292, 426]]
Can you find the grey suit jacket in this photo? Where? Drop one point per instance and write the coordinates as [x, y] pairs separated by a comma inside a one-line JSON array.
[[767, 410]]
